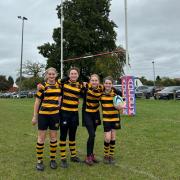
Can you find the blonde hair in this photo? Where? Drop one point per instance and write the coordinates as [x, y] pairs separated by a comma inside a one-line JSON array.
[[95, 75], [49, 69]]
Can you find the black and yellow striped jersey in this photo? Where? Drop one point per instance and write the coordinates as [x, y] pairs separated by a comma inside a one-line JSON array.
[[71, 92], [49, 94], [110, 114], [92, 98]]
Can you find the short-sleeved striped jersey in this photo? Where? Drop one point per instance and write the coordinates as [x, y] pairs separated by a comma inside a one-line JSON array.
[[110, 114], [70, 96], [49, 94], [92, 98]]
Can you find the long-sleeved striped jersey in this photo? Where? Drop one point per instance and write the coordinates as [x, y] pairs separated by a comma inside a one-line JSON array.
[[92, 98], [70, 95]]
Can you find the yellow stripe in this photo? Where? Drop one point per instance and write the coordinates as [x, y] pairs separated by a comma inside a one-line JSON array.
[[92, 110], [92, 104], [97, 94], [107, 105], [111, 112], [70, 102], [39, 93], [72, 88], [49, 112], [39, 150], [62, 142], [69, 109], [49, 105], [72, 142], [39, 146], [110, 119], [53, 91], [70, 95], [106, 98], [56, 98]]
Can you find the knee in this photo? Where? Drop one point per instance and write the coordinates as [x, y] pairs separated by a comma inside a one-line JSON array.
[[53, 139], [107, 139], [41, 139]]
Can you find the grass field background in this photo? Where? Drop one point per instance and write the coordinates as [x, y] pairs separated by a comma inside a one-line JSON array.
[[147, 146]]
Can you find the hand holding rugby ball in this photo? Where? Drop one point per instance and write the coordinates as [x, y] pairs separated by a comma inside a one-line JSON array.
[[118, 102]]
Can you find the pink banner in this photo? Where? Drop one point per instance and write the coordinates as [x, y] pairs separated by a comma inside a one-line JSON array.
[[128, 92]]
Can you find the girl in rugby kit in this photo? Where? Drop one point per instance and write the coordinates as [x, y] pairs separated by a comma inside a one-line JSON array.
[[46, 114], [90, 114], [69, 121], [111, 119]]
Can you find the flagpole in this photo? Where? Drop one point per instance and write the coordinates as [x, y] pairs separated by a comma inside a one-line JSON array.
[[62, 18]]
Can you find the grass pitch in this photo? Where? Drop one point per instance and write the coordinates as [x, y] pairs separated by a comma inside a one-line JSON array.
[[147, 146]]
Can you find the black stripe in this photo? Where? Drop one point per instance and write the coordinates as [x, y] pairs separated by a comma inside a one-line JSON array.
[[62, 144], [40, 144], [40, 152], [91, 107], [107, 101], [63, 150], [38, 96], [49, 108], [71, 91], [39, 148], [110, 116], [69, 105], [70, 98], [73, 144], [108, 108], [92, 101], [52, 94], [53, 146], [92, 95], [52, 156], [51, 101], [53, 151], [51, 87]]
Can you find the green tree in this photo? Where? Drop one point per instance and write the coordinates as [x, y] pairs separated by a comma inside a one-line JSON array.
[[111, 65], [31, 83], [10, 81], [87, 30], [4, 83]]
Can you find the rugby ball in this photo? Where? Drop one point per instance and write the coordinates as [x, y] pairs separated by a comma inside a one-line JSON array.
[[118, 102]]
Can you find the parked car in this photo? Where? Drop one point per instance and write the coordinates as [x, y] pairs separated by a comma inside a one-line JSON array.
[[31, 94], [138, 94], [168, 92], [178, 94], [145, 91], [118, 87], [24, 94]]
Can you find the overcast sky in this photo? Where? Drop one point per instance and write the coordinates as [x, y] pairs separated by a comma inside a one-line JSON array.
[[153, 28]]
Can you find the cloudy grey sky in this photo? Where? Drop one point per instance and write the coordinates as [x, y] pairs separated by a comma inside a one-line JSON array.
[[153, 28]]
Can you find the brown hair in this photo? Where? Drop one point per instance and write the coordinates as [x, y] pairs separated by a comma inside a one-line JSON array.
[[73, 68], [108, 78], [95, 75]]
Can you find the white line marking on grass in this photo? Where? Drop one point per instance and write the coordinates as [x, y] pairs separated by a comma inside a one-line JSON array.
[[137, 171], [131, 169]]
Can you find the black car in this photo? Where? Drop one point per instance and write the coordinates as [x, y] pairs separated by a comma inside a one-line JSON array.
[[168, 92]]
